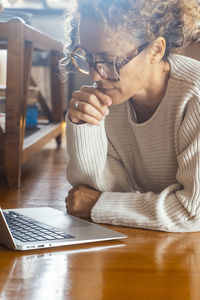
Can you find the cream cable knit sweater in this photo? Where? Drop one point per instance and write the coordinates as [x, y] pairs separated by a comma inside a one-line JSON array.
[[149, 173]]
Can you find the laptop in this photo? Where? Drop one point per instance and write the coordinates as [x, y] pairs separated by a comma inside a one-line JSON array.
[[45, 227]]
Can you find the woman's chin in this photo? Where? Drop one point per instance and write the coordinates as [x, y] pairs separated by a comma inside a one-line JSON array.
[[117, 99], [114, 94]]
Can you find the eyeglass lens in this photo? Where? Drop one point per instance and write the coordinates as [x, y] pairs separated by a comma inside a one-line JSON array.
[[79, 57], [85, 65]]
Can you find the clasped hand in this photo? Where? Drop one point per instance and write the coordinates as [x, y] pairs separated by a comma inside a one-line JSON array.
[[92, 106], [80, 201]]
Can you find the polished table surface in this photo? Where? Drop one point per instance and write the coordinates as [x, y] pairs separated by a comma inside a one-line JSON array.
[[146, 265]]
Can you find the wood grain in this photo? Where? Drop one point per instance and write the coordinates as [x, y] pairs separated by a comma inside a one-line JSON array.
[[14, 103], [147, 265]]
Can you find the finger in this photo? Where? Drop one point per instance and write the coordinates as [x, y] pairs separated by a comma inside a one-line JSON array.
[[91, 99], [105, 99], [70, 207], [87, 108], [85, 113], [77, 116], [67, 199], [71, 191], [66, 203]]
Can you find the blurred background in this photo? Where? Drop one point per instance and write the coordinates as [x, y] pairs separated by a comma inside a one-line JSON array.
[[48, 17]]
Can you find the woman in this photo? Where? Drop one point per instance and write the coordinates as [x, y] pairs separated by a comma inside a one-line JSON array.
[[133, 138]]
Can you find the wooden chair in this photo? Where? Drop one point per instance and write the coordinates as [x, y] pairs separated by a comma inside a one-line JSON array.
[[21, 40]]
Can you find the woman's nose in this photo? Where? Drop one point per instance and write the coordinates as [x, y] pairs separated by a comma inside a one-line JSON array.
[[95, 75]]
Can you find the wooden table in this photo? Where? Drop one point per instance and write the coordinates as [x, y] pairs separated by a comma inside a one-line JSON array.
[[146, 265]]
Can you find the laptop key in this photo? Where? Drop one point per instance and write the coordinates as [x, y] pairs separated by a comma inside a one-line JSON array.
[[68, 236], [26, 229], [31, 240], [59, 237], [39, 238]]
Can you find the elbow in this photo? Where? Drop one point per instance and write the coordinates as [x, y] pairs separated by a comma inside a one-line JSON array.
[[190, 224]]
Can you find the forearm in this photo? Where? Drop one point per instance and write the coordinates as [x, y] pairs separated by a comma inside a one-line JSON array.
[[162, 211], [87, 150], [89, 162]]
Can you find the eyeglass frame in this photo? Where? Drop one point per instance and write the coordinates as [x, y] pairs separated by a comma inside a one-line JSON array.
[[94, 65]]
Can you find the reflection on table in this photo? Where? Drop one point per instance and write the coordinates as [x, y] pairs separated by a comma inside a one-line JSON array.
[[147, 265]]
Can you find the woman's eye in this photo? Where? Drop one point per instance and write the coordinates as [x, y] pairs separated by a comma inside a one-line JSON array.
[[104, 58]]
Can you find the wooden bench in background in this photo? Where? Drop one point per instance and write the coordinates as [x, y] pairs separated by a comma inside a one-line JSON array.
[[21, 40]]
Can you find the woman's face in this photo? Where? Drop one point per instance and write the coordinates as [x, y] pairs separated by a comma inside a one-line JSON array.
[[134, 76]]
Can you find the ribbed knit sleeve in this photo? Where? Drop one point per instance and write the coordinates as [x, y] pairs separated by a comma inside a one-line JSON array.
[[149, 174], [89, 162]]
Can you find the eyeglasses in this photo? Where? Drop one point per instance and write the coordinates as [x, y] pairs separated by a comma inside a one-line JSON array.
[[108, 70]]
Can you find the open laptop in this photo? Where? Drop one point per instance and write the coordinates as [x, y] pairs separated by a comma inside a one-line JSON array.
[[44, 227]]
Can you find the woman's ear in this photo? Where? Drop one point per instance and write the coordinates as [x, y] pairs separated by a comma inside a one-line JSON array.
[[158, 50]]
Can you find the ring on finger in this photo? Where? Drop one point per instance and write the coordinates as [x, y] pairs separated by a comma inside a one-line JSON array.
[[76, 104]]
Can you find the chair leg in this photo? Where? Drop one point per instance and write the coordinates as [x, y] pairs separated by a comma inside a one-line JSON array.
[[59, 140]]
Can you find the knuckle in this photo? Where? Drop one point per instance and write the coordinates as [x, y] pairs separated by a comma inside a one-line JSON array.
[[98, 115], [76, 193], [92, 98], [71, 113], [78, 187], [104, 97], [84, 106], [71, 100], [71, 103], [76, 206], [80, 116], [69, 210], [75, 93]]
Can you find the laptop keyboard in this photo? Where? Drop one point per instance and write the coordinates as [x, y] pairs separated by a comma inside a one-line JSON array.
[[26, 229]]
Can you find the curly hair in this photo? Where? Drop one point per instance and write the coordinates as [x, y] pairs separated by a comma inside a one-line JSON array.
[[178, 21]]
